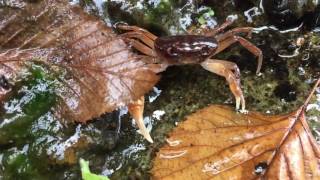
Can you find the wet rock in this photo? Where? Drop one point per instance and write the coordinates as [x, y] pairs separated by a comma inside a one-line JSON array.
[[103, 133], [286, 91], [243, 5], [30, 132], [123, 153], [4, 83], [160, 17], [21, 112], [291, 13], [15, 164]]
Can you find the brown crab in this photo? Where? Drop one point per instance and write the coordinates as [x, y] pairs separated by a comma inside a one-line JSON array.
[[191, 49]]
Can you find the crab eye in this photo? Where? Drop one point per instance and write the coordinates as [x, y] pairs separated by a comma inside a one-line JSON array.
[[172, 52], [205, 50]]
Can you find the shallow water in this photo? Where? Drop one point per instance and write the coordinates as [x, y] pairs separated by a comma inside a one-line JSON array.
[[111, 143]]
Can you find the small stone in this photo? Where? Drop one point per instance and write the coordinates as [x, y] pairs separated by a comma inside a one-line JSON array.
[[300, 41]]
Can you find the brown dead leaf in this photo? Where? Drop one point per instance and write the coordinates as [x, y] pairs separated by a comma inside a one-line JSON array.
[[218, 143], [97, 70]]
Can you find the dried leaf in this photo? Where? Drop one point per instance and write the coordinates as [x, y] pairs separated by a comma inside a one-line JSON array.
[[99, 71], [218, 143]]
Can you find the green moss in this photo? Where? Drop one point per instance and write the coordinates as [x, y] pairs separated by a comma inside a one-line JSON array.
[[163, 16], [315, 39], [205, 15], [31, 100], [18, 166]]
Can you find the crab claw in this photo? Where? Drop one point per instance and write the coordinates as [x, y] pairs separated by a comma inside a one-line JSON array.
[[136, 111]]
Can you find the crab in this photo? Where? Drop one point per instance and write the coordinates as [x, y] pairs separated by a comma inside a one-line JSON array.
[[191, 49]]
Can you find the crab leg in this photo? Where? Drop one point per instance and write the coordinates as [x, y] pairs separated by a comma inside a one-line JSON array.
[[231, 72], [235, 31], [135, 35], [214, 31], [246, 44], [141, 36], [137, 29], [141, 47], [136, 110]]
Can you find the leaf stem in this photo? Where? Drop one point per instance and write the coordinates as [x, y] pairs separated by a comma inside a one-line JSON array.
[[311, 93], [297, 119]]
